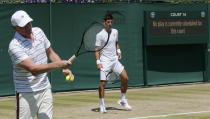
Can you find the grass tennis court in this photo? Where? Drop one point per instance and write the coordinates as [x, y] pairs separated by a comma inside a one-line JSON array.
[[165, 102]]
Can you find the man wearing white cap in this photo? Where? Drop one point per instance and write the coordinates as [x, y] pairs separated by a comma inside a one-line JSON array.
[[29, 51]]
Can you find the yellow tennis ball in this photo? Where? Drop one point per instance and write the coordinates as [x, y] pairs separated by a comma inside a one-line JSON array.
[[70, 77], [67, 77]]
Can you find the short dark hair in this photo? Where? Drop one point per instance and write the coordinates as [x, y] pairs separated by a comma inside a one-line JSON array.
[[108, 16]]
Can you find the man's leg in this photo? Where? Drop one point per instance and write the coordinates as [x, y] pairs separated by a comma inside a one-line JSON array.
[[101, 88], [27, 107], [102, 84], [45, 103], [120, 70], [124, 81], [124, 86], [101, 91]]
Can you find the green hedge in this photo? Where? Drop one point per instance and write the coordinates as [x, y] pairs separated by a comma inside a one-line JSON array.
[[118, 1]]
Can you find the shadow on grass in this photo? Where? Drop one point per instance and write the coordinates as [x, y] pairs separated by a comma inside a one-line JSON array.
[[108, 108]]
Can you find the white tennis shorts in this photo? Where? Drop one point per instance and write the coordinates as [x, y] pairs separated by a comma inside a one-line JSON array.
[[38, 103], [114, 66]]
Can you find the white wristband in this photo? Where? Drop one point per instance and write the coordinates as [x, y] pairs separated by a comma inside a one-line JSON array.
[[118, 51], [98, 62]]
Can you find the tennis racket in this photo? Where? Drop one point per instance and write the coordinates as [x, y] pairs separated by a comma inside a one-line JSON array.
[[87, 44], [88, 41]]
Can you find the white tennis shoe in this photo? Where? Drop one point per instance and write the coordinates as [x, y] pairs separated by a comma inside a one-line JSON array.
[[125, 104], [102, 109]]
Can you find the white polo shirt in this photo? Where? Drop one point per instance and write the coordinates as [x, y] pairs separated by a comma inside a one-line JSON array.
[[20, 49], [108, 53]]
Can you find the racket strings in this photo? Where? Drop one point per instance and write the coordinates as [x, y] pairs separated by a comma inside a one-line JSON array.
[[88, 43], [90, 36]]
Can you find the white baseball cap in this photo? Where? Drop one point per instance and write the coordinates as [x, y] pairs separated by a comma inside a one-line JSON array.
[[20, 18]]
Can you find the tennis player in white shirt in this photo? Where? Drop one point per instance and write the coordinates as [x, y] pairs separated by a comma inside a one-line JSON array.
[[29, 51], [108, 60]]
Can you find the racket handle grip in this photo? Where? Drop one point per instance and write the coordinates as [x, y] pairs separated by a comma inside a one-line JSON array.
[[72, 58]]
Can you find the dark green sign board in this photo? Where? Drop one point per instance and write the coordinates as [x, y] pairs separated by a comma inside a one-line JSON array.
[[176, 27]]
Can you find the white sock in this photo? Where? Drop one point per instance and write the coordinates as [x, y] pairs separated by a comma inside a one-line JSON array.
[[122, 96], [101, 102]]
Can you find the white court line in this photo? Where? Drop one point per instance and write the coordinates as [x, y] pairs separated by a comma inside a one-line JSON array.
[[167, 115]]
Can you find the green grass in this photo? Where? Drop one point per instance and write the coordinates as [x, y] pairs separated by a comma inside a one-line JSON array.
[[151, 101]]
